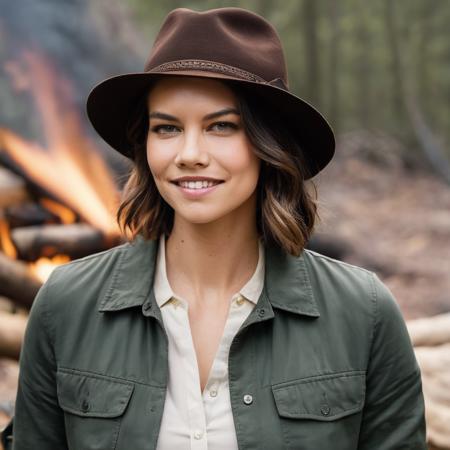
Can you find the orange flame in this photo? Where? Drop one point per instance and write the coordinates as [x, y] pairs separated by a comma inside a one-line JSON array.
[[43, 267], [5, 240], [65, 214], [70, 167]]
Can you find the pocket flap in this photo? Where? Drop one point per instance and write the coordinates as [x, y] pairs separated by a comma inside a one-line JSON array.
[[91, 395], [323, 397]]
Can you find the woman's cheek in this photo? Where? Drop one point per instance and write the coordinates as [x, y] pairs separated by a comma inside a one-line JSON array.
[[156, 162]]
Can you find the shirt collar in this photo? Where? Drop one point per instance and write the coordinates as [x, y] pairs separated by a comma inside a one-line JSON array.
[[163, 292], [286, 282]]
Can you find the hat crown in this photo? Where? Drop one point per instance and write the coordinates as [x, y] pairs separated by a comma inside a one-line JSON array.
[[230, 37]]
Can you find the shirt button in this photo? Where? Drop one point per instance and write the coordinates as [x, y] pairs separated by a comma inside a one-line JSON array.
[[85, 406], [198, 434], [248, 399], [213, 393], [325, 410], [240, 300]]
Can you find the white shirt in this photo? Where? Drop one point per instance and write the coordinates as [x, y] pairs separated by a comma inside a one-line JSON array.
[[193, 420]]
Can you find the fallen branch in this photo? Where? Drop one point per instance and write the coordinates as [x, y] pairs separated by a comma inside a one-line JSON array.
[[17, 282], [12, 330], [75, 240], [12, 188], [430, 331]]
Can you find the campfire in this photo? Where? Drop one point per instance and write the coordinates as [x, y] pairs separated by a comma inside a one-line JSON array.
[[57, 200], [59, 189]]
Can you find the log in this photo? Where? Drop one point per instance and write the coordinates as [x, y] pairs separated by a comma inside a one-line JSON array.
[[434, 363], [430, 331], [75, 240], [28, 214], [437, 418], [6, 305], [17, 282], [12, 188], [433, 359], [9, 373], [12, 330], [436, 387]]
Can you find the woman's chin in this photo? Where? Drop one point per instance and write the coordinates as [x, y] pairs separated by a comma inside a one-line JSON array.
[[198, 216]]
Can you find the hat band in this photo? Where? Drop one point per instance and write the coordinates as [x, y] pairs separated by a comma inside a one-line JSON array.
[[209, 66]]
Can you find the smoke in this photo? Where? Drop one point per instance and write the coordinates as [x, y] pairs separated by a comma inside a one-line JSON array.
[[85, 41]]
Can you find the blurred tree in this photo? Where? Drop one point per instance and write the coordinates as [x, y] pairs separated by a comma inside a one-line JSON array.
[[308, 17], [334, 64]]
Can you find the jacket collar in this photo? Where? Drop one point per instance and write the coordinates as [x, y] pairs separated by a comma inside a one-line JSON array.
[[286, 284]]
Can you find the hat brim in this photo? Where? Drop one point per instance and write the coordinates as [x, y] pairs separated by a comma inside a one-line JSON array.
[[110, 103]]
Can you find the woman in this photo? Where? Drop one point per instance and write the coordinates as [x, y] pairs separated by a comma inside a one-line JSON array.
[[214, 328]]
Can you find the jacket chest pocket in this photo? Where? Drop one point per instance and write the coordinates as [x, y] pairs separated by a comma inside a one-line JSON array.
[[93, 408], [323, 411]]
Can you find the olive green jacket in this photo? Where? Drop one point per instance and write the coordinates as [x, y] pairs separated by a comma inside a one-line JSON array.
[[324, 360]]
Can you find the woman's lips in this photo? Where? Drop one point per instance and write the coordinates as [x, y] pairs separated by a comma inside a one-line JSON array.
[[197, 192]]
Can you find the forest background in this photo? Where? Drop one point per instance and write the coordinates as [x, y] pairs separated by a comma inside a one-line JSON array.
[[378, 70]]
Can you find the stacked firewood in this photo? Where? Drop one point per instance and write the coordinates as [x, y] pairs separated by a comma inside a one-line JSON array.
[[431, 339], [34, 225]]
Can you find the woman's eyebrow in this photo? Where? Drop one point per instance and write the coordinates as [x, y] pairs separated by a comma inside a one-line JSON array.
[[222, 112]]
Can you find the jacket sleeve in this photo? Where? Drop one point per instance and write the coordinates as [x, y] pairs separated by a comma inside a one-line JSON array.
[[394, 411], [38, 420]]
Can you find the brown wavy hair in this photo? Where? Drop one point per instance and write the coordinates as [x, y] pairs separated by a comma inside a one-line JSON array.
[[286, 204]]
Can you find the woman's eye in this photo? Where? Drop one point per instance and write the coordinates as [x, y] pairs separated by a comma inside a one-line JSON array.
[[224, 126], [164, 129]]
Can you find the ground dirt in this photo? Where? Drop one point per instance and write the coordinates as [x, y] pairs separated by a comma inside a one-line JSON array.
[[391, 219]]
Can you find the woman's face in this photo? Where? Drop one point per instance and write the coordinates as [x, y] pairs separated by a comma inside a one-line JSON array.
[[197, 150]]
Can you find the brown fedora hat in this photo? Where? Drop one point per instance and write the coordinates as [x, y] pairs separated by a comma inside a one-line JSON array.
[[231, 44]]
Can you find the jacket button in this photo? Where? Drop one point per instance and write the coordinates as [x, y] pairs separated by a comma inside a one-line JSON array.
[[248, 399], [325, 410], [85, 406]]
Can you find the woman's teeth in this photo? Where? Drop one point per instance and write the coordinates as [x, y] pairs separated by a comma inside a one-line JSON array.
[[197, 184]]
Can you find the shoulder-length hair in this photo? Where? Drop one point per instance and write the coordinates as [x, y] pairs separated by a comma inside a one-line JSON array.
[[286, 209]]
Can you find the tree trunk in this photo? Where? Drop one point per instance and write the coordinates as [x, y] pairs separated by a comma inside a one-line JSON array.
[[309, 17], [333, 8], [363, 66], [425, 137]]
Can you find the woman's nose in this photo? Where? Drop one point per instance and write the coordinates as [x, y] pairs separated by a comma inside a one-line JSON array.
[[192, 151]]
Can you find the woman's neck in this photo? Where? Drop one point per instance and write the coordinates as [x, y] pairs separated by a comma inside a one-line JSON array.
[[206, 263]]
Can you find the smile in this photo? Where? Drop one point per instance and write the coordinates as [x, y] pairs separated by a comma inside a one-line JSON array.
[[201, 184], [198, 188]]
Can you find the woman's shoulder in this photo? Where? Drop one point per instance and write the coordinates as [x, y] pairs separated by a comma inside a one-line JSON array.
[[350, 284], [92, 266], [80, 281], [330, 269], [122, 271]]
